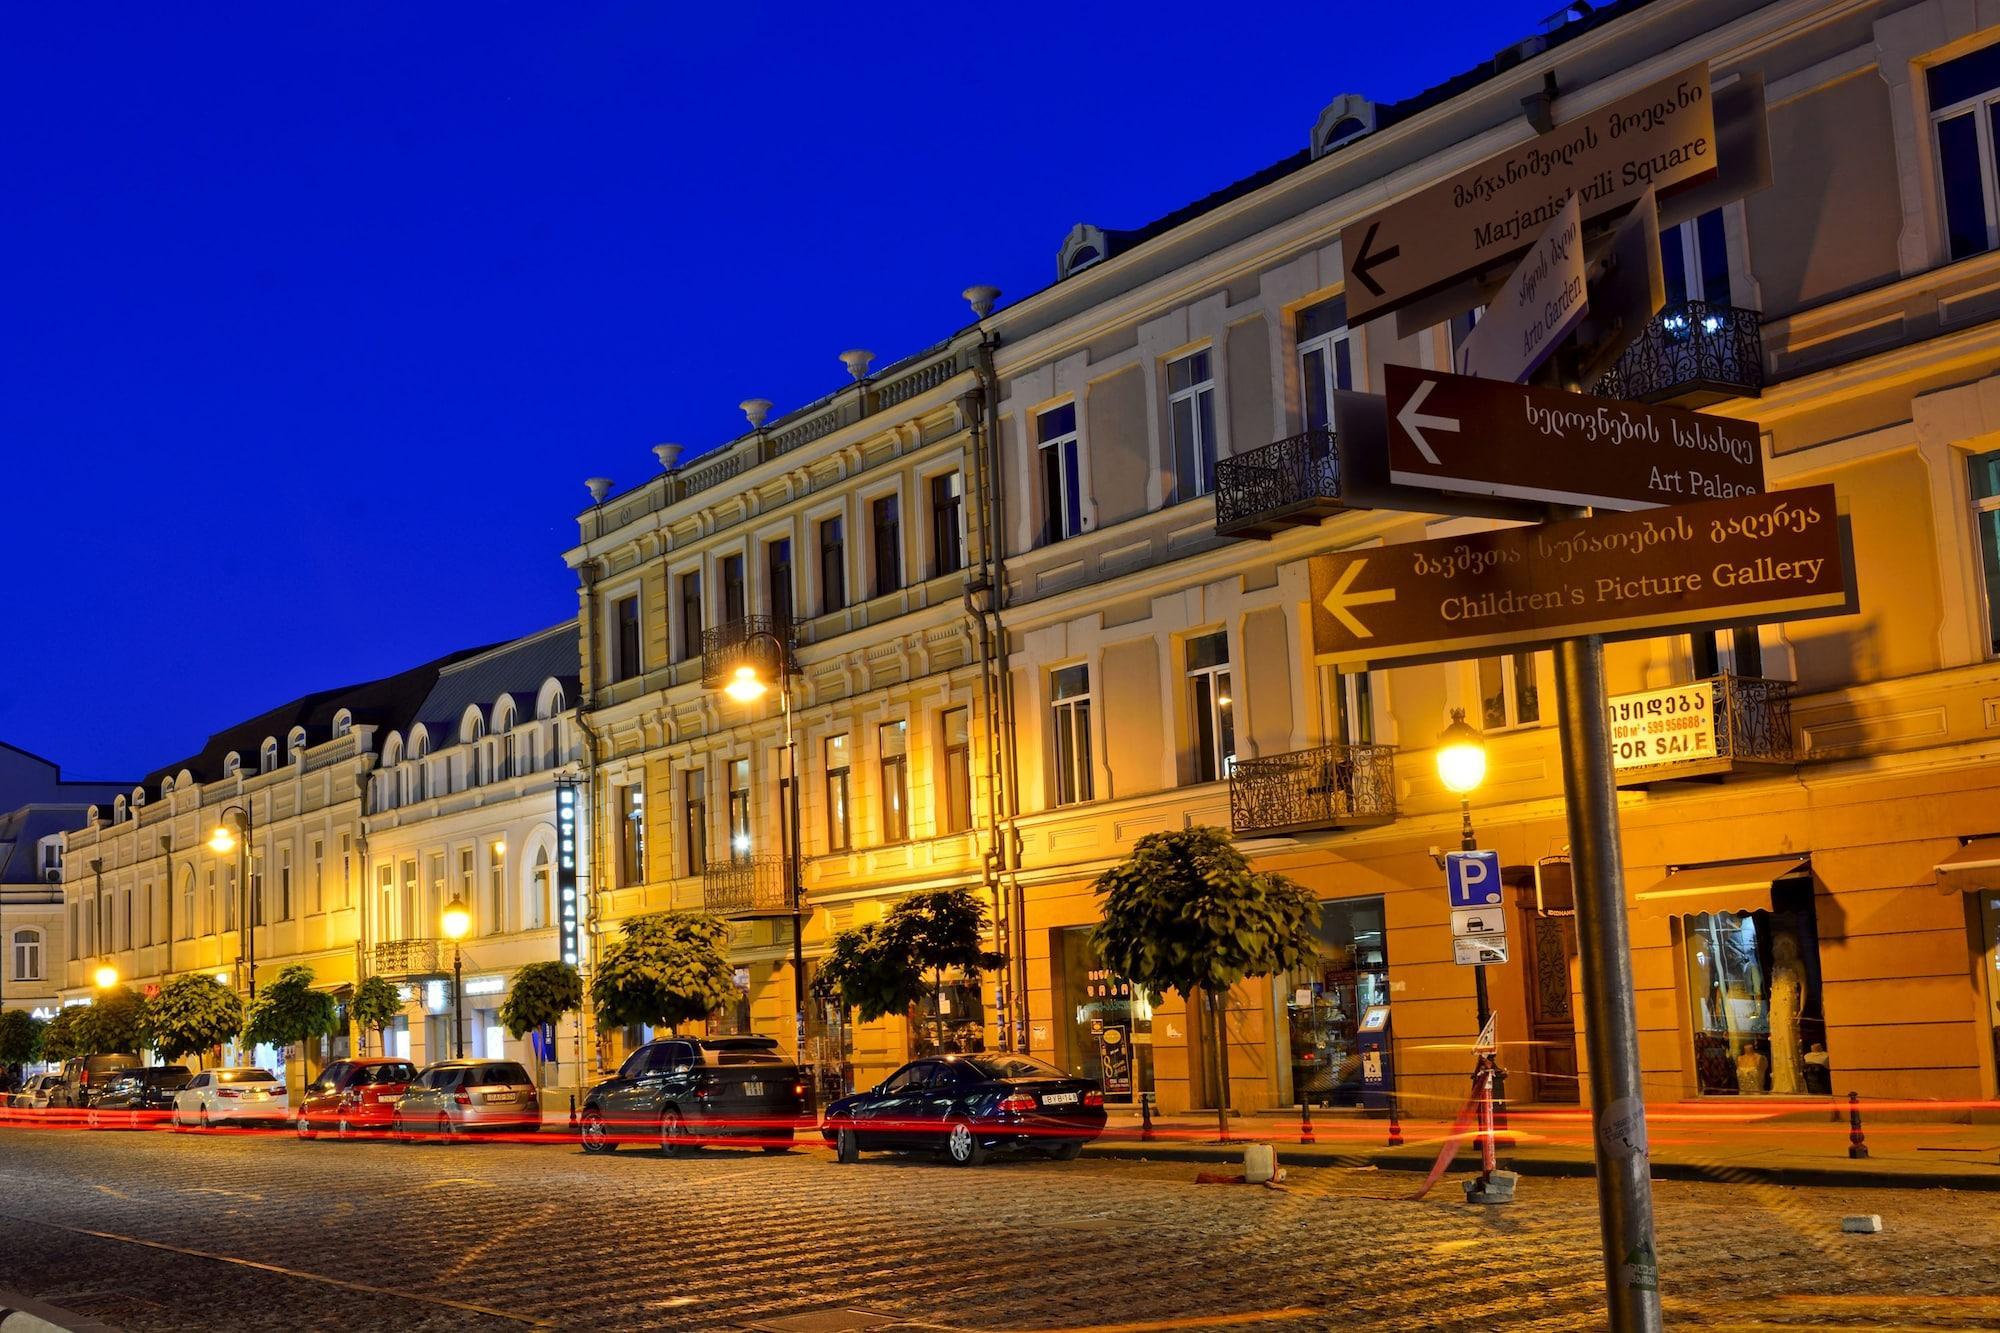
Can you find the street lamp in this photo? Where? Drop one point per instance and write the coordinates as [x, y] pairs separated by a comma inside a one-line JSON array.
[[457, 920], [222, 842], [106, 977], [1461, 762]]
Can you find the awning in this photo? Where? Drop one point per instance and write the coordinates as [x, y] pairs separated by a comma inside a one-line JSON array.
[[1742, 887], [1972, 867]]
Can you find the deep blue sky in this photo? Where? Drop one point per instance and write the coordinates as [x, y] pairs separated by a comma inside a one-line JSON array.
[[314, 318]]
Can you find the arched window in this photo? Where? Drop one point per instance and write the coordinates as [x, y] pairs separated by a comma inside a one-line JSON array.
[[232, 764], [27, 955], [138, 797], [187, 903], [343, 722], [549, 699], [295, 746], [267, 755], [539, 887], [166, 787], [472, 726], [118, 810]]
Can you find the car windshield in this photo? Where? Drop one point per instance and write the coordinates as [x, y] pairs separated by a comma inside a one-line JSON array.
[[1013, 1066], [244, 1076]]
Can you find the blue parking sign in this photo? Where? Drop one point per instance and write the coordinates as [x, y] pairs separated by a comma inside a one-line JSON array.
[[1472, 878]]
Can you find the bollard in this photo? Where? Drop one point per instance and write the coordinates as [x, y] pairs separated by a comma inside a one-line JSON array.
[[1395, 1124], [1306, 1121], [1146, 1116], [572, 1110], [1857, 1146]]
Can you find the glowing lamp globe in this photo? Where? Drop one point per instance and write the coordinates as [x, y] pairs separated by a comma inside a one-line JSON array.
[[745, 685], [105, 977], [223, 841], [457, 920], [1461, 755]]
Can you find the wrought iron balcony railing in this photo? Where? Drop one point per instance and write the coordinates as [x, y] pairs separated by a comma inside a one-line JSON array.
[[409, 958], [1333, 786], [1692, 353], [747, 886], [1753, 728], [1293, 483], [759, 641]]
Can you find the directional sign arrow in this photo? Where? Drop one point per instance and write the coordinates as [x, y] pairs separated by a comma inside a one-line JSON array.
[[1365, 262], [1341, 597], [1414, 420]]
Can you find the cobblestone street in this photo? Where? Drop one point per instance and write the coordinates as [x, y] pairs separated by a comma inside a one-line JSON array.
[[158, 1231]]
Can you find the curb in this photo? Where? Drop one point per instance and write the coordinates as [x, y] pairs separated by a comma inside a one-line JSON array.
[[18, 1314], [1841, 1177]]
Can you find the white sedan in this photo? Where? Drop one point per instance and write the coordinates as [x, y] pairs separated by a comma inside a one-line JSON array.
[[226, 1096]]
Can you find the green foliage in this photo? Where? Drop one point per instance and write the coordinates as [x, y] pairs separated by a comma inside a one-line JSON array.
[[289, 1010], [542, 993], [880, 969], [192, 1013], [376, 1004], [20, 1037], [113, 1022], [1185, 912], [664, 969], [62, 1039]]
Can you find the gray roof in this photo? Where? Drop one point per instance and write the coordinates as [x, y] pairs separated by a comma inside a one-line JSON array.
[[21, 830], [517, 668]]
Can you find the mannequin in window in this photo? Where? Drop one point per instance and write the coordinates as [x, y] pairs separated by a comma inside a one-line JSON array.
[[1788, 990]]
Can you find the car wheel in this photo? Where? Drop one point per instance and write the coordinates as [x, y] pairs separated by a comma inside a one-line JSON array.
[[961, 1145], [846, 1146], [595, 1135], [399, 1131], [203, 1119], [305, 1126], [1066, 1151], [673, 1133], [446, 1131]]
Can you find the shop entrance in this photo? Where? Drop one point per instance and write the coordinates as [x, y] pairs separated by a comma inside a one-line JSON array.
[[1989, 937], [1547, 945], [1107, 1030], [1754, 994], [1324, 1006]]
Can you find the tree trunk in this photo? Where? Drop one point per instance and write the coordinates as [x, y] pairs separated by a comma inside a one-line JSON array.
[[1218, 1026]]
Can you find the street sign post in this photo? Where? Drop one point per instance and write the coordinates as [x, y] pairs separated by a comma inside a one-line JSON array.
[[1535, 309], [1472, 879], [1455, 433], [1661, 137], [1753, 559], [1479, 950], [1477, 921]]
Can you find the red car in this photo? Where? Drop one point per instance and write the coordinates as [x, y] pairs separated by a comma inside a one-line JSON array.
[[353, 1097]]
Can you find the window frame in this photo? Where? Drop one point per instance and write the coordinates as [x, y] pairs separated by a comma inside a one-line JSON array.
[[627, 648], [689, 611], [832, 562], [26, 943], [1335, 347], [1200, 394], [1073, 778], [947, 521], [1983, 107], [1989, 597], [955, 772], [1216, 682], [884, 580], [741, 837], [894, 771], [1060, 459], [631, 833], [694, 819], [839, 792], [1510, 687]]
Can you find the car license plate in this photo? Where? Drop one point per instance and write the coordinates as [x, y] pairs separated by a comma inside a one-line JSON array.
[[499, 1096], [1059, 1099], [753, 1089]]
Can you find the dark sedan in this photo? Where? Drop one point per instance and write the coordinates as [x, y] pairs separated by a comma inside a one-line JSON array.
[[680, 1092], [966, 1106], [135, 1097]]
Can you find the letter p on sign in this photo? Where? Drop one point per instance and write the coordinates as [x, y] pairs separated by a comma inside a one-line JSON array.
[[1472, 878]]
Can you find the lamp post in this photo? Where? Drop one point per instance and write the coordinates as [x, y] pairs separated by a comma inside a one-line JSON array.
[[106, 977], [747, 685], [222, 842], [456, 921], [1461, 763]]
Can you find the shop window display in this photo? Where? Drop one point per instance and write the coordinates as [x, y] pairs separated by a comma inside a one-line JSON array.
[[951, 1020], [1754, 993], [1110, 1035], [1325, 1005]]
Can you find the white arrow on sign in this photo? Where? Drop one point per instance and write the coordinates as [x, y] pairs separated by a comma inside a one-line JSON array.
[[1339, 599], [1415, 421]]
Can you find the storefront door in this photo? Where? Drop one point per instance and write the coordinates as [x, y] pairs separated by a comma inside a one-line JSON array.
[[1548, 943], [1109, 1029], [1989, 934], [1323, 1007], [1754, 994]]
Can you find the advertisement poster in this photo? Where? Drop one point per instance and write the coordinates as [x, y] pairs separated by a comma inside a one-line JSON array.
[[1114, 1054]]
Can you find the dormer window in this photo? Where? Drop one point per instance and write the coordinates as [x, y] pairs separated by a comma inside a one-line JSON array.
[[295, 745], [232, 764], [1085, 245], [343, 723], [1345, 119], [267, 756]]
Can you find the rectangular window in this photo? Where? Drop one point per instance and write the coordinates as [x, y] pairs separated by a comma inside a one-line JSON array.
[[1191, 417], [385, 884], [739, 807], [1069, 688], [434, 899], [690, 585], [1211, 708], [1965, 104], [347, 870], [1062, 473], [886, 519], [839, 836], [1508, 695], [1347, 706], [955, 814], [1694, 260], [232, 912], [468, 888], [407, 906], [631, 835], [694, 786], [1754, 1001], [256, 891], [496, 886], [625, 629], [778, 565], [317, 888], [734, 605], [832, 567], [1727, 652], [894, 740], [27, 955], [1326, 360], [1986, 521], [947, 513]]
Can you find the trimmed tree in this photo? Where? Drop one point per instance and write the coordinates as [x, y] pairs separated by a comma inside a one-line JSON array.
[[541, 994], [1185, 912], [943, 929], [290, 1012], [193, 1014], [20, 1037], [114, 1022], [664, 969], [376, 1004], [871, 971], [62, 1039]]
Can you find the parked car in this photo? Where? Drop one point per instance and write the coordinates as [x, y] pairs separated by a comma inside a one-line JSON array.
[[35, 1093], [242, 1095], [453, 1097], [353, 1096], [966, 1106], [682, 1091], [83, 1075], [137, 1097]]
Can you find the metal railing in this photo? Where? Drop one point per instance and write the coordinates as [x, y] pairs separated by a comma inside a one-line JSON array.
[[1296, 479], [1693, 349], [408, 958], [749, 641], [1332, 786], [1753, 719], [752, 885]]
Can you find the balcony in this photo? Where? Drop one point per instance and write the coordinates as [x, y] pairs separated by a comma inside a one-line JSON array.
[[746, 886], [755, 641], [1741, 724], [1291, 484], [1331, 787], [409, 958], [1692, 354]]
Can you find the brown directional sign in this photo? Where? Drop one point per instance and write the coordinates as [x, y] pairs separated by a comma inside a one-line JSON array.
[[1661, 137], [1470, 436], [1754, 558]]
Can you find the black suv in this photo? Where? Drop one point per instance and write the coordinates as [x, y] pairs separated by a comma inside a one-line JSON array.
[[680, 1092], [135, 1097]]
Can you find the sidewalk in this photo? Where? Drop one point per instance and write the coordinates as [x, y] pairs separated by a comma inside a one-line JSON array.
[[1739, 1144], [18, 1314]]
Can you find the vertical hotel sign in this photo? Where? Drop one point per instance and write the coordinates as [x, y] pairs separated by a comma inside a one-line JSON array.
[[570, 908]]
